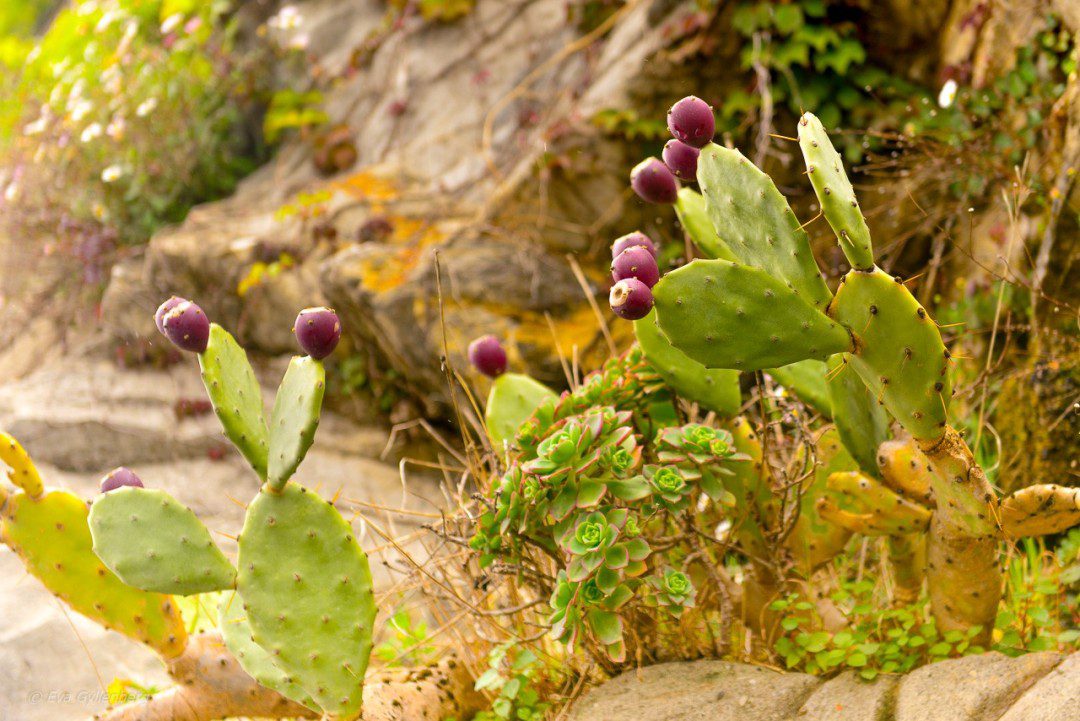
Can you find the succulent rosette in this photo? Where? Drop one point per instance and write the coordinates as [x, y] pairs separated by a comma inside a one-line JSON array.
[[673, 591]]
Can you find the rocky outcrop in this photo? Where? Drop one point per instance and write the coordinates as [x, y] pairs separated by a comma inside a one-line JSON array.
[[986, 687]]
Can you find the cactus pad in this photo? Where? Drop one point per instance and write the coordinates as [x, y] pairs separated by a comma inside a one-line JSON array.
[[694, 217], [815, 541], [23, 473], [713, 389], [904, 468], [887, 513], [725, 315], [1039, 510], [295, 417], [236, 632], [826, 171], [806, 379], [306, 588], [512, 399], [51, 535], [236, 397], [153, 542], [861, 421], [899, 352], [754, 220]]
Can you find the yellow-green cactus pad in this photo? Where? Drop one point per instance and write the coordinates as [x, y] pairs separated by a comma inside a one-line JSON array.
[[295, 417], [899, 353], [755, 222], [234, 392], [861, 421], [306, 588], [891, 513], [253, 658], [51, 535], [1039, 510], [904, 468], [825, 168], [23, 473], [154, 542], [693, 215], [512, 399], [725, 315], [712, 389], [815, 541], [806, 379]]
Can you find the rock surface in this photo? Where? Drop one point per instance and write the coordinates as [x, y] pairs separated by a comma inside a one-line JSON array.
[[988, 687]]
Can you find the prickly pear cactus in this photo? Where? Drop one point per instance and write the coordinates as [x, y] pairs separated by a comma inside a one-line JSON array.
[[253, 658], [50, 534], [153, 542], [825, 169], [295, 417], [806, 379], [725, 315], [234, 392], [23, 473], [756, 223], [861, 421], [693, 215], [307, 592], [713, 389]]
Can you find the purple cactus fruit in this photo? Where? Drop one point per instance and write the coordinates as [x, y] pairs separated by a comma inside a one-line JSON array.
[[630, 240], [118, 478], [636, 262], [681, 160], [631, 299], [691, 120], [318, 331], [488, 356], [163, 309], [187, 327], [653, 182]]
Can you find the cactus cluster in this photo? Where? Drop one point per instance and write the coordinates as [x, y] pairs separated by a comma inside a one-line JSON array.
[[757, 300], [301, 616]]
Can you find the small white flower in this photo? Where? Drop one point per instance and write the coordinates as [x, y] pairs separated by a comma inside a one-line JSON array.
[[288, 18], [947, 95], [38, 126], [81, 110], [171, 23], [298, 42], [11, 192], [146, 107], [92, 131], [112, 173], [105, 21], [115, 129]]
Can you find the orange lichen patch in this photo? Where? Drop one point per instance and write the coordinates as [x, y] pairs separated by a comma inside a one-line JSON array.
[[367, 186], [389, 271]]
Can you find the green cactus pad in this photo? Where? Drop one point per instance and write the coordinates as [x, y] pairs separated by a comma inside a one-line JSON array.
[[307, 593], [236, 397], [23, 473], [295, 417], [694, 216], [826, 170], [899, 353], [51, 536], [858, 493], [725, 315], [755, 222], [814, 541], [806, 379], [154, 542], [512, 399], [713, 389], [252, 657], [862, 421]]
